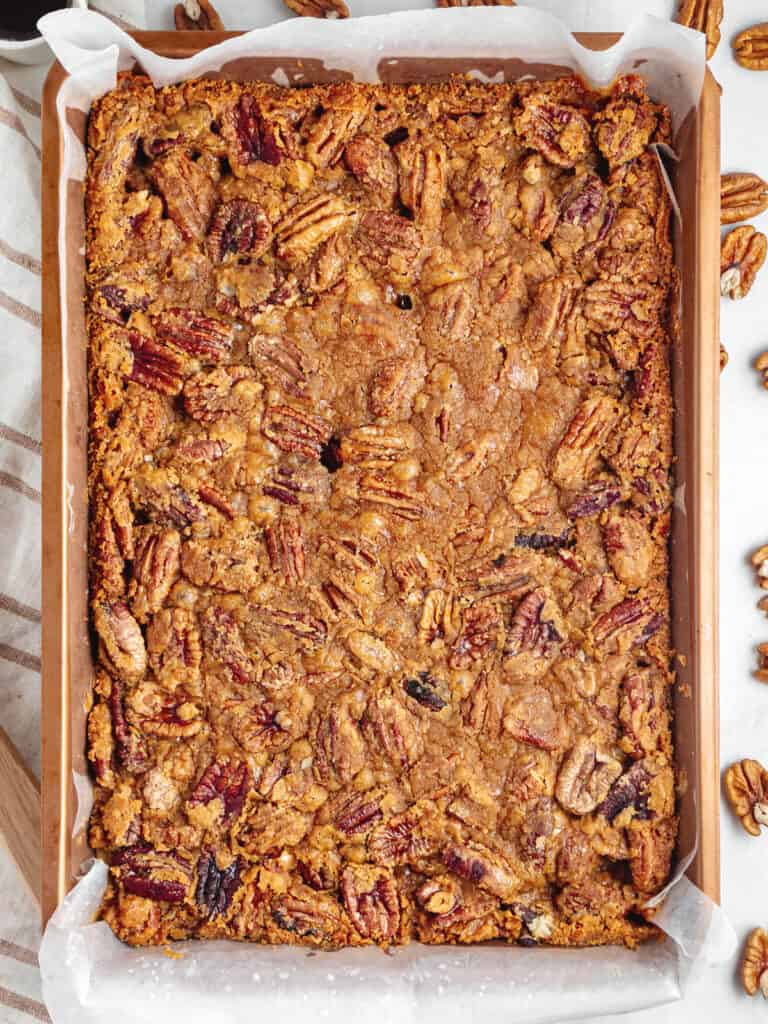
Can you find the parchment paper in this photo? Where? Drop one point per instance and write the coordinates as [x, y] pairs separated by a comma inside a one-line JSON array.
[[88, 975]]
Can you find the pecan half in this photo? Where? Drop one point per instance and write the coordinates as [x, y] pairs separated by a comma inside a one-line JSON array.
[[422, 177], [400, 840], [550, 312], [746, 786], [388, 234], [285, 547], [481, 634], [754, 963], [651, 845], [625, 125], [309, 224], [632, 617], [130, 745], [296, 430], [155, 570], [632, 306], [370, 160], [251, 137], [742, 254], [528, 631], [204, 336], [171, 715], [280, 361], [585, 777], [155, 365], [188, 191], [197, 15], [629, 547], [381, 489], [392, 732], [153, 875], [216, 886], [481, 867], [705, 16], [630, 790], [223, 780], [371, 899], [560, 133], [239, 228], [121, 647], [750, 47], [340, 750], [532, 719], [224, 645], [742, 196], [318, 8], [440, 894], [582, 444], [173, 647], [337, 124], [228, 562], [317, 920], [309, 630]]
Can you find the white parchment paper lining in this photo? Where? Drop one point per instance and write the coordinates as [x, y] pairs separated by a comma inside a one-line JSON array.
[[88, 975]]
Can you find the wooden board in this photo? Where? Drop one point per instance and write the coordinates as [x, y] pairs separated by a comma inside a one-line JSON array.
[[695, 546], [20, 814]]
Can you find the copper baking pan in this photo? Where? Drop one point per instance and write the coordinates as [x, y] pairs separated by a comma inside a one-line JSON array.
[[66, 674]]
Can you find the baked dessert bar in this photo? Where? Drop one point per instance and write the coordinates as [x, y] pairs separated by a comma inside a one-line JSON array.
[[380, 450]]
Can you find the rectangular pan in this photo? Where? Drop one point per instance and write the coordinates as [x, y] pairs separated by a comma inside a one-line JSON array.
[[66, 668]]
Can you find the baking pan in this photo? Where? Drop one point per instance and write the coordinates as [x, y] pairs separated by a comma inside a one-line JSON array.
[[66, 654]]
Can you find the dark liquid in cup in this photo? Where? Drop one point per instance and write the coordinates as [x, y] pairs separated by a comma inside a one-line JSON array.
[[18, 18]]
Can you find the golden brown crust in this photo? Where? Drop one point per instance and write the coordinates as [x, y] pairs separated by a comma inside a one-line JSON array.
[[380, 450]]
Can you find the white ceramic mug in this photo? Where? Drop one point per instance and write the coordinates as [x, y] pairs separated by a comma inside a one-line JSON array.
[[36, 50]]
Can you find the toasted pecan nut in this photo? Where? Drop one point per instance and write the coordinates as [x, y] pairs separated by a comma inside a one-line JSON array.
[[742, 196], [761, 364], [760, 562], [586, 775], [750, 47], [746, 786], [761, 672], [754, 964], [318, 8], [197, 15], [705, 16], [742, 254], [724, 362]]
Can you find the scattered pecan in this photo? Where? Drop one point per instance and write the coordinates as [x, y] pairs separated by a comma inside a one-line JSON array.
[[392, 732], [528, 631], [629, 547], [223, 780], [155, 365], [615, 305], [400, 840], [221, 392], [742, 254], [754, 963], [309, 224], [422, 178], [355, 814], [389, 234], [153, 875], [216, 886], [316, 920], [532, 719], [173, 646], [188, 191], [750, 47], [631, 617], [625, 126], [337, 124], [318, 8], [121, 647], [630, 790], [296, 430], [340, 750], [585, 777], [440, 617], [381, 489], [742, 196], [724, 361], [760, 562], [583, 441], [252, 138], [309, 630], [370, 160], [480, 635], [285, 547], [651, 845], [155, 570], [197, 15], [196, 334], [280, 361], [642, 712], [371, 899], [172, 715], [746, 786], [130, 746], [239, 228], [440, 894], [228, 562], [373, 446], [560, 133], [550, 312], [481, 867], [705, 16]]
